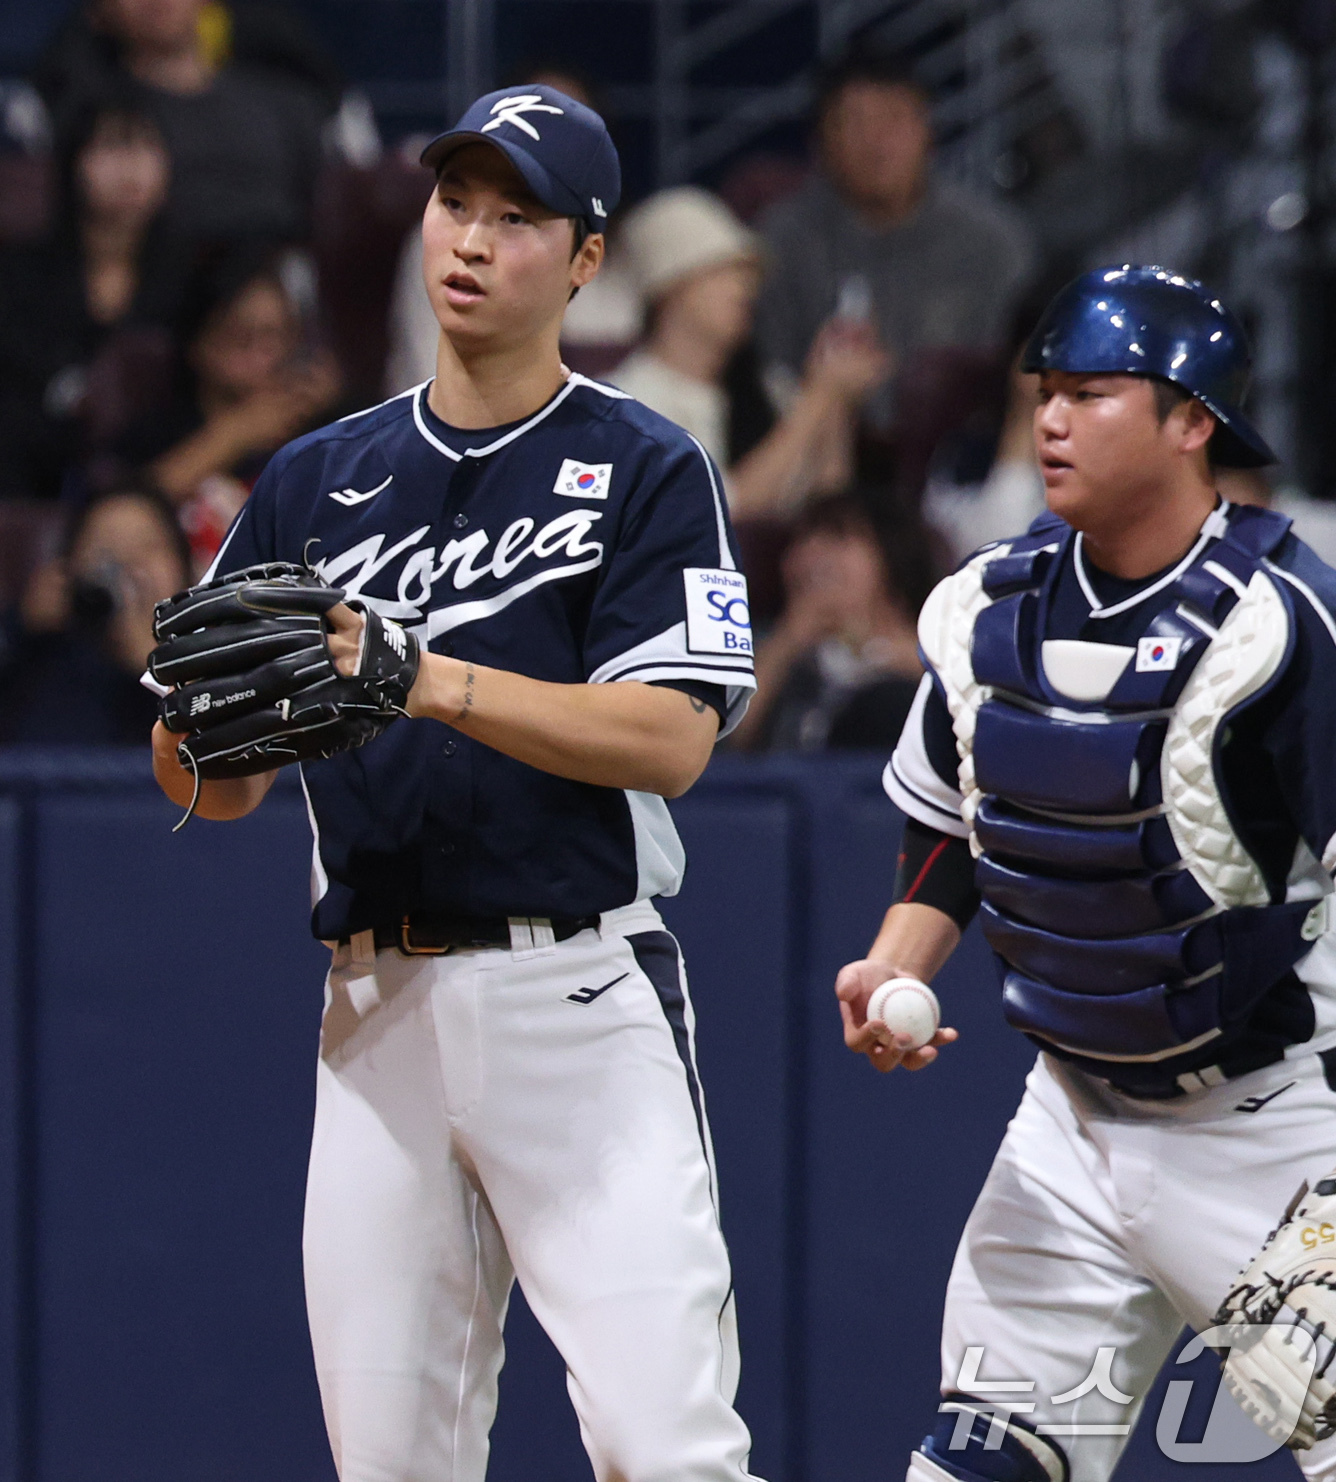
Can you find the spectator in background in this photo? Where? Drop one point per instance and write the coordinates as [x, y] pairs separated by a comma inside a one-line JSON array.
[[247, 385], [699, 271], [841, 667], [1011, 493], [109, 265], [244, 140], [71, 666], [873, 234]]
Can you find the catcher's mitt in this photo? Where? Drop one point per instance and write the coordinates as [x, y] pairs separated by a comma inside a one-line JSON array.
[[1289, 1292], [254, 684]]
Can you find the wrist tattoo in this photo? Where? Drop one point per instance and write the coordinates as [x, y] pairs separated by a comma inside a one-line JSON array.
[[467, 709], [699, 706]]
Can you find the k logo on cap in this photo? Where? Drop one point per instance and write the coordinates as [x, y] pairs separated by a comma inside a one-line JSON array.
[[510, 110], [560, 147]]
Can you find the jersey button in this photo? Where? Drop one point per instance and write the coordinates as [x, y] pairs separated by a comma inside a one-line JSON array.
[[449, 749], [459, 521]]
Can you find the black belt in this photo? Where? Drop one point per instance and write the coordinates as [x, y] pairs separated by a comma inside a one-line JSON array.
[[424, 935]]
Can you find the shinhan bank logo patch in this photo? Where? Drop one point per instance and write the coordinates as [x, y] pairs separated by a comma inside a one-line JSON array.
[[583, 480]]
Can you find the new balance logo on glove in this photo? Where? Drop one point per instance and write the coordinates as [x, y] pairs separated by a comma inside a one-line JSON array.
[[202, 703]]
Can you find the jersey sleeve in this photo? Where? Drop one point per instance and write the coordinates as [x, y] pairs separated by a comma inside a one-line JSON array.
[[920, 778], [671, 604]]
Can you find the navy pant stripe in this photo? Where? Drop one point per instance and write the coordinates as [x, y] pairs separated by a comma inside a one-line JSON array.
[[656, 956]]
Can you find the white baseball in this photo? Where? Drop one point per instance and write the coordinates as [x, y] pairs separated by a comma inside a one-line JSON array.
[[906, 1006]]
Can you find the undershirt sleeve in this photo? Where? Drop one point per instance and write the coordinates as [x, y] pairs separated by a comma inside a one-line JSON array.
[[936, 869]]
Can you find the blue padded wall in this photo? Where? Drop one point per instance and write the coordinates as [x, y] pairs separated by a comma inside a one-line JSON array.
[[13, 1251], [177, 1003]]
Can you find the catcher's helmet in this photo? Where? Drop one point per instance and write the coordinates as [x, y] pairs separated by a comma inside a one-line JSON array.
[[1148, 321]]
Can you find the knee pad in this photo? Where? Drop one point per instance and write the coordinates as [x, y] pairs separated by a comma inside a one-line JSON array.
[[975, 1442]]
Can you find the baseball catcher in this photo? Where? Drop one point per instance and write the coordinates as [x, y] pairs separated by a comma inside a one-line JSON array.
[[1186, 1080], [253, 685]]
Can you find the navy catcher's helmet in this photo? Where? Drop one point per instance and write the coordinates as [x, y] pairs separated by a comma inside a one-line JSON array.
[[1148, 321]]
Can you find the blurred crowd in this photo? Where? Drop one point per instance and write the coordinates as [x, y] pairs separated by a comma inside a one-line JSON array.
[[205, 250]]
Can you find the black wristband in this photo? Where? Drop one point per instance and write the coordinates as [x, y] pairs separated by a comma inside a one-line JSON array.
[[936, 869]]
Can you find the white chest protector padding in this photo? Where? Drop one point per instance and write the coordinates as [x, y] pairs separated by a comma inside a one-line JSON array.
[[945, 627], [1241, 659]]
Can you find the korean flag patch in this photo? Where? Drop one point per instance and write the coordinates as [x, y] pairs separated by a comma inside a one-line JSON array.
[[1154, 654], [583, 480], [718, 618]]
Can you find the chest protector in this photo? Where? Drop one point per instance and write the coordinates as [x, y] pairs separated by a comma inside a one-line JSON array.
[[1131, 922]]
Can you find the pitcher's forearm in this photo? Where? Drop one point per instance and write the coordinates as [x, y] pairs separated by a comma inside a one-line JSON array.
[[220, 798], [646, 738]]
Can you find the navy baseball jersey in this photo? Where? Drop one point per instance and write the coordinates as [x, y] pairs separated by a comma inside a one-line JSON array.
[[588, 543]]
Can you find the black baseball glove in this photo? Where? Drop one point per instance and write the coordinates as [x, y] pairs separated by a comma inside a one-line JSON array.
[[254, 684]]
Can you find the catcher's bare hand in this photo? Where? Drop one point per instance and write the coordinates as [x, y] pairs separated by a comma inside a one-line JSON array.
[[854, 987]]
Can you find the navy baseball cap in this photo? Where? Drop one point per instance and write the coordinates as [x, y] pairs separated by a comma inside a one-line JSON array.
[[561, 148]]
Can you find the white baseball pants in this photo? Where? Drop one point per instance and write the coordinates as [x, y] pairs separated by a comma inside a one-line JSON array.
[[1107, 1223], [494, 1113]]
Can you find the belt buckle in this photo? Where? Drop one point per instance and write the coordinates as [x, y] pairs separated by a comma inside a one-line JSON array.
[[409, 950]]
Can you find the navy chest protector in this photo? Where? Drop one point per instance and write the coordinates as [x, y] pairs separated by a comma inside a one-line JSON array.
[[1131, 923]]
